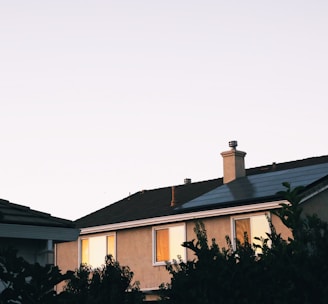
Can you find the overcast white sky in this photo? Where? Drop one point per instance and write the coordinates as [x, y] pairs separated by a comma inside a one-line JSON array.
[[100, 99]]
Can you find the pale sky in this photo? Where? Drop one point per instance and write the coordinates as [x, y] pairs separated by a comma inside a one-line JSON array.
[[100, 99]]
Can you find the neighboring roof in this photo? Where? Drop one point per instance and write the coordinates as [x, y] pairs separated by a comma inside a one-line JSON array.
[[21, 221], [261, 184], [11, 213]]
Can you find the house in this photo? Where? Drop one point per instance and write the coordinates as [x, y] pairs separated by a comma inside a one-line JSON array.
[[147, 228], [32, 233]]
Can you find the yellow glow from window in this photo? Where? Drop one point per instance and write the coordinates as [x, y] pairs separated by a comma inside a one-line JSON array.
[[97, 251], [94, 249], [85, 251], [162, 245], [168, 243], [111, 245], [255, 226], [177, 237], [259, 227], [243, 226]]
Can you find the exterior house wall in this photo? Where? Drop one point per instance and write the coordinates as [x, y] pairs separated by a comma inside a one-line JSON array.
[[67, 256], [134, 248], [219, 228], [216, 227], [317, 205], [280, 227]]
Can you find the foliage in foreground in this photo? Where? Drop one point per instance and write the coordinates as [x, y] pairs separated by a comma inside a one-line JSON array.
[[109, 284], [25, 283], [288, 271], [22, 282]]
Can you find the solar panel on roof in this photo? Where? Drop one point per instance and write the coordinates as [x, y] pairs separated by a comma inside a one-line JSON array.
[[259, 186]]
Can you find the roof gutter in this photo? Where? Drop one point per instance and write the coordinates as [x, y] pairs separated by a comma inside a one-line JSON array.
[[183, 217]]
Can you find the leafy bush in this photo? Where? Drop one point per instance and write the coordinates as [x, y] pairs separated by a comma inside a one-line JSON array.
[[21, 282], [24, 283], [109, 284]]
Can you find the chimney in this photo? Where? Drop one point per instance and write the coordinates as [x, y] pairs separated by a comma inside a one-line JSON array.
[[233, 163]]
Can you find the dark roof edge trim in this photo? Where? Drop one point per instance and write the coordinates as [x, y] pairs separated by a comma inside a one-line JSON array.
[[35, 232]]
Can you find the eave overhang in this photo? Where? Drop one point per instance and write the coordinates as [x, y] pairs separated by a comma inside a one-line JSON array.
[[59, 234], [184, 217]]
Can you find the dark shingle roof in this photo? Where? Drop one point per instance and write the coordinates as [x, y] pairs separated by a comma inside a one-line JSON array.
[[17, 214], [156, 202], [146, 204]]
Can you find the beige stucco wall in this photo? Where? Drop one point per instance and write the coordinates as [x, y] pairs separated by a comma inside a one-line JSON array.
[[134, 249], [280, 227], [217, 228], [66, 258]]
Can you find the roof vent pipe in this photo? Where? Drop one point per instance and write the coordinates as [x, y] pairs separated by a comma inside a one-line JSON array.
[[173, 200], [187, 181]]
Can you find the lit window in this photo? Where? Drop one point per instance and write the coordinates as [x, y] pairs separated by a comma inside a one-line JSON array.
[[168, 243], [254, 226], [94, 249], [85, 251]]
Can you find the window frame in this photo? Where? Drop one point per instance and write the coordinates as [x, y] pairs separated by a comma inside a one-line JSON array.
[[246, 216], [154, 242], [88, 237]]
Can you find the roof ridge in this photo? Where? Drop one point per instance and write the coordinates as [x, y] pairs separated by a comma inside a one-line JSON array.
[[22, 207], [274, 166]]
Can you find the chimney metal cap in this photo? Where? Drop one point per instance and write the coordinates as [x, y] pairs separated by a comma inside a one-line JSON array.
[[233, 144]]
